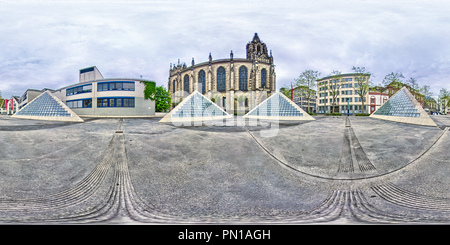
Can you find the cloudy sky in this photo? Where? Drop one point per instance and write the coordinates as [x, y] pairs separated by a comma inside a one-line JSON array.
[[45, 43]]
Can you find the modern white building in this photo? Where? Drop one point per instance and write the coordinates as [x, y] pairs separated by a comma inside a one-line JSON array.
[[96, 96], [92, 96]]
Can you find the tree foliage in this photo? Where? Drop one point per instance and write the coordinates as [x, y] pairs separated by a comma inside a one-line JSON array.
[[149, 90], [162, 99], [444, 99], [334, 87], [307, 80], [362, 83], [394, 79]]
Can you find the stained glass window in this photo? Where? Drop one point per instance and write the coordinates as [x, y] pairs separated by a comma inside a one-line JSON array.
[[221, 79], [243, 78], [186, 83], [201, 81], [263, 78]]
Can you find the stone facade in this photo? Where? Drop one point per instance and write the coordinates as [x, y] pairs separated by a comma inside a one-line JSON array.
[[227, 81]]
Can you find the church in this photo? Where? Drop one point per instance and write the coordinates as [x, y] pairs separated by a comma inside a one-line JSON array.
[[232, 83]]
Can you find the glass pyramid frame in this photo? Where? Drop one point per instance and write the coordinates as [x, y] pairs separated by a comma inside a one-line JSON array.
[[48, 107], [195, 107], [403, 107], [278, 107]]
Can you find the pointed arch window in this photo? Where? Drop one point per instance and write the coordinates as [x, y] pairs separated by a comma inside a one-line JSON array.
[[186, 83], [201, 81], [221, 78], [263, 78], [173, 86], [243, 78]]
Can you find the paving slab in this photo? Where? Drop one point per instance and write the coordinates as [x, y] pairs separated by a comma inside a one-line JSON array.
[[356, 170]]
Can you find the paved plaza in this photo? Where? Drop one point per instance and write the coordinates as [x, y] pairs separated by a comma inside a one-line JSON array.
[[334, 170]]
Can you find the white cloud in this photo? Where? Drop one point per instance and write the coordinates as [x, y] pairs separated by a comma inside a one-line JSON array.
[[45, 43]]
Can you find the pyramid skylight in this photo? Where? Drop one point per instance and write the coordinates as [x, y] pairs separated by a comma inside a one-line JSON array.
[[403, 107], [47, 107], [278, 107], [195, 107]]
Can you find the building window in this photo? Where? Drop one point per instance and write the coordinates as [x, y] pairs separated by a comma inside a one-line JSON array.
[[108, 86], [221, 79], [115, 102], [173, 86], [243, 78], [84, 103], [263, 78], [79, 90], [201, 81], [186, 83]]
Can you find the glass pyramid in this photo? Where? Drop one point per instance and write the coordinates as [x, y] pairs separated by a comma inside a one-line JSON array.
[[47, 107], [195, 107], [278, 106], [404, 108], [198, 106], [399, 105]]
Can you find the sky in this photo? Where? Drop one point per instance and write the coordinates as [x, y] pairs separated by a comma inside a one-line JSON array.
[[44, 44]]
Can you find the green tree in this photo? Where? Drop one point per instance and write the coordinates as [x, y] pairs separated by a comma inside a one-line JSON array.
[[308, 80], [412, 82], [286, 91], [334, 87], [444, 99], [162, 99], [395, 80], [426, 91], [362, 83]]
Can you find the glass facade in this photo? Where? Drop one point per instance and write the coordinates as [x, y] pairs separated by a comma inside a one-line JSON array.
[[44, 105], [198, 106], [398, 105], [275, 105]]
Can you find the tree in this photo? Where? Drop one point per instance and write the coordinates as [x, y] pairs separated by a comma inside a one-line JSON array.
[[394, 80], [334, 87], [444, 99], [362, 83], [286, 91], [162, 99], [426, 91], [307, 80], [412, 82]]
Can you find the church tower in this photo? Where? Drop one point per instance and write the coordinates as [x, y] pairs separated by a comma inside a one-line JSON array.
[[257, 50]]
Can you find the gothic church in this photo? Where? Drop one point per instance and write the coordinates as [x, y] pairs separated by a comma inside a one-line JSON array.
[[228, 82]]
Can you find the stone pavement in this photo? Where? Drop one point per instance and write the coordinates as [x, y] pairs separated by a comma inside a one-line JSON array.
[[334, 170]]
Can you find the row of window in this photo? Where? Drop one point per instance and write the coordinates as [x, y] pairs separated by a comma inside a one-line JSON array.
[[346, 85], [79, 90], [104, 86], [357, 99], [221, 80], [102, 102]]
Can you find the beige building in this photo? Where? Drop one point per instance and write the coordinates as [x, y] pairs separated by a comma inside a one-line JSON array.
[[347, 100], [227, 82]]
